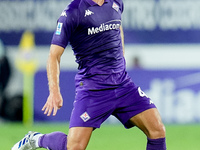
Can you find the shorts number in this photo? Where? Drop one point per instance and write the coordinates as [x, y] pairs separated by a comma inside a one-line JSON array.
[[141, 93]]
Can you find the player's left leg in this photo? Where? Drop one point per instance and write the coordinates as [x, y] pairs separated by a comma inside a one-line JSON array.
[[137, 109], [150, 123]]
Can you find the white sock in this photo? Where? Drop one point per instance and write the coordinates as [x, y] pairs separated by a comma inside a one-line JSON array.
[[36, 139]]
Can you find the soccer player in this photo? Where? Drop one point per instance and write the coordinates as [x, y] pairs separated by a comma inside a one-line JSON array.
[[103, 87]]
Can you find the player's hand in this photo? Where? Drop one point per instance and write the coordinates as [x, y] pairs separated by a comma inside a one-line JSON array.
[[53, 103]]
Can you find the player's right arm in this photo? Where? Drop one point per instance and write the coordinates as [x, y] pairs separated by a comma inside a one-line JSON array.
[[65, 25], [54, 101]]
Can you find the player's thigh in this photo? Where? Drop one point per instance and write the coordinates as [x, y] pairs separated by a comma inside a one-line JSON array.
[[78, 137], [149, 121]]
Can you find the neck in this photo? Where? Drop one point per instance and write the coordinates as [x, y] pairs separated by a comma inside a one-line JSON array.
[[99, 2]]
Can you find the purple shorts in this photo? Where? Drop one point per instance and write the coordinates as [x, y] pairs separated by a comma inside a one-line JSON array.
[[93, 107]]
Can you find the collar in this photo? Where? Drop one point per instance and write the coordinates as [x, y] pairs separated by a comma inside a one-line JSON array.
[[92, 3]]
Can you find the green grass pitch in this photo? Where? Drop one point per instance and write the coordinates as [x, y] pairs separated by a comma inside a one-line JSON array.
[[109, 137]]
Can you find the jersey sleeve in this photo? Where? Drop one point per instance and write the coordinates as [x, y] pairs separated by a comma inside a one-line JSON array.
[[122, 7], [65, 27]]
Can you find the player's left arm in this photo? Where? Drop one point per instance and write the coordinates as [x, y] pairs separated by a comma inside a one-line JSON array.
[[122, 38]]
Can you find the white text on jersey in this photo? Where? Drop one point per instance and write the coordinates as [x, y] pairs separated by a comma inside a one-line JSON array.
[[102, 28]]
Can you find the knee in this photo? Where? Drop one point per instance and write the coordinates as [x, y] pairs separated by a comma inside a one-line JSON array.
[[157, 132], [75, 146], [78, 138]]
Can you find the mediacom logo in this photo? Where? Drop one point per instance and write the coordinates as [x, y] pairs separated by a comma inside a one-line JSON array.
[[103, 27]]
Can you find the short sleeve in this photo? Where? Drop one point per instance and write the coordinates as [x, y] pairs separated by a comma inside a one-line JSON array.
[[122, 7], [65, 27]]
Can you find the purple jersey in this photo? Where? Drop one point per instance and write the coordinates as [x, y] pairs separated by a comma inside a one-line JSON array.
[[94, 34]]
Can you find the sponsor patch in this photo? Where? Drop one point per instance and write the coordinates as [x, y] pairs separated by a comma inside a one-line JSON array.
[[111, 25], [59, 28], [85, 117]]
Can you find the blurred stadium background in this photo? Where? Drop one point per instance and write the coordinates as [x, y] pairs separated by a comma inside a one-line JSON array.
[[162, 44]]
